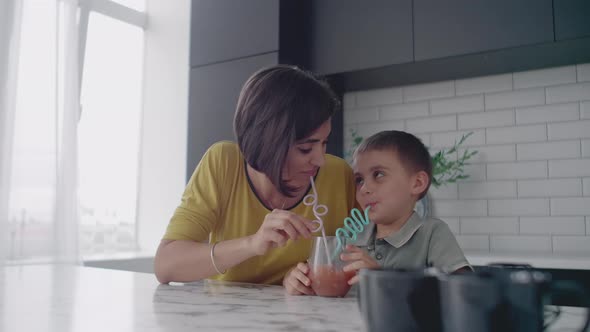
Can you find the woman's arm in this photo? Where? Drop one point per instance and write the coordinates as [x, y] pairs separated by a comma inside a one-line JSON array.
[[184, 261]]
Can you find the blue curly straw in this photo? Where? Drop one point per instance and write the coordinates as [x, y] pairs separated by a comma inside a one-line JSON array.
[[352, 226]]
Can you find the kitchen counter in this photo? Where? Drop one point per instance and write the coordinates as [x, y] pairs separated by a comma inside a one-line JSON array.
[[536, 260], [73, 298]]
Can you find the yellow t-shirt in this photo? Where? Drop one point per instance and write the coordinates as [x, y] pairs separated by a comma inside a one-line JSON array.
[[219, 202]]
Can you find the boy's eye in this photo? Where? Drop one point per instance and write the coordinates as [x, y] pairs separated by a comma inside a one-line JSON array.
[[358, 181], [304, 151], [378, 174]]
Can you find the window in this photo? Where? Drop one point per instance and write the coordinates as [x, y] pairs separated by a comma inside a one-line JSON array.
[[109, 134], [109, 128], [111, 49]]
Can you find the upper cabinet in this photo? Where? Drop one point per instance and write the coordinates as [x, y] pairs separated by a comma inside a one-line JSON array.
[[224, 30], [457, 27], [349, 35], [572, 19]]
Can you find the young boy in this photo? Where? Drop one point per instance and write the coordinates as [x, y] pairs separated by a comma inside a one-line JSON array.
[[393, 171]]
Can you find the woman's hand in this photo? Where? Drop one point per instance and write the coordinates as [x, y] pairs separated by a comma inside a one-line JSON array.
[[359, 259], [277, 228], [296, 282]]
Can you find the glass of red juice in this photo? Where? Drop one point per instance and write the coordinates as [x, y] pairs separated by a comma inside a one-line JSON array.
[[325, 273]]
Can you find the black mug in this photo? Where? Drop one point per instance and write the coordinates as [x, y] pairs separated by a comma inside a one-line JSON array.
[[501, 299], [471, 302], [399, 300]]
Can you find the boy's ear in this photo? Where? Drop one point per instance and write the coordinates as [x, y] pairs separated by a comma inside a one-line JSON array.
[[420, 184]]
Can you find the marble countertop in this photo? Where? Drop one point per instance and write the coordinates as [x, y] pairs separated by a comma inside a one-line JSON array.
[[73, 298], [536, 260], [68, 298]]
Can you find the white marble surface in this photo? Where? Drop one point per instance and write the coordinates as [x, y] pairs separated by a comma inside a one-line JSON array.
[[72, 298], [536, 260], [64, 298]]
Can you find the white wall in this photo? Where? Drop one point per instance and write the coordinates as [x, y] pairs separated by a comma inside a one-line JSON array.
[[164, 125], [529, 190]]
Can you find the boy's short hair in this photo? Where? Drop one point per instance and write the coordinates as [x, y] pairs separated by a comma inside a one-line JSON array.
[[412, 153]]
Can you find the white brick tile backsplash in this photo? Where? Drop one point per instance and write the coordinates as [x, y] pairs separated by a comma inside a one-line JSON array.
[[519, 207], [565, 130], [379, 97], [484, 84], [425, 138], [548, 113], [448, 139], [529, 184], [545, 77], [514, 171], [474, 242], [489, 219], [583, 72], [361, 115], [570, 206], [548, 150], [432, 124], [569, 168], [428, 91], [453, 224], [552, 225], [476, 172], [521, 134], [518, 98], [571, 244], [447, 191], [486, 119], [404, 111], [550, 188], [520, 243], [349, 100], [492, 153], [459, 208], [569, 92], [482, 190], [367, 129], [457, 105], [489, 226], [585, 110]]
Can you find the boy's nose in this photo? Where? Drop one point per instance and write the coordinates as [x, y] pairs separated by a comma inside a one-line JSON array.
[[365, 188]]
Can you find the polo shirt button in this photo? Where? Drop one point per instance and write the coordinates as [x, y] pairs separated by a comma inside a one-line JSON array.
[[379, 256]]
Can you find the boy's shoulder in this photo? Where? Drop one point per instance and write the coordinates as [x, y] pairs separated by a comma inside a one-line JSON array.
[[433, 223], [435, 227]]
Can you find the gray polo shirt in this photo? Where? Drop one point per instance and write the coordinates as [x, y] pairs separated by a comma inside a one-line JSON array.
[[419, 243]]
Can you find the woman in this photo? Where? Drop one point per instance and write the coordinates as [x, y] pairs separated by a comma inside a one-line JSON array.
[[242, 216]]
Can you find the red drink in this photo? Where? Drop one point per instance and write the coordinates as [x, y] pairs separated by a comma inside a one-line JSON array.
[[327, 280]]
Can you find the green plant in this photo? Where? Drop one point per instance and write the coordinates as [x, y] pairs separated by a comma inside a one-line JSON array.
[[356, 141], [447, 166]]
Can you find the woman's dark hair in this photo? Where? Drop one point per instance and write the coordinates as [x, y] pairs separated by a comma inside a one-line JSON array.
[[277, 107], [412, 153]]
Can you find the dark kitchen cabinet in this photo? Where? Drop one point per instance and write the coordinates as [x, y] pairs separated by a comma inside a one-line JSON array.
[[224, 30], [572, 19], [213, 95], [458, 27], [349, 35]]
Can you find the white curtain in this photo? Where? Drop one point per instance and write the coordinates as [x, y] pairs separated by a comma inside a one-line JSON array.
[[39, 87]]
